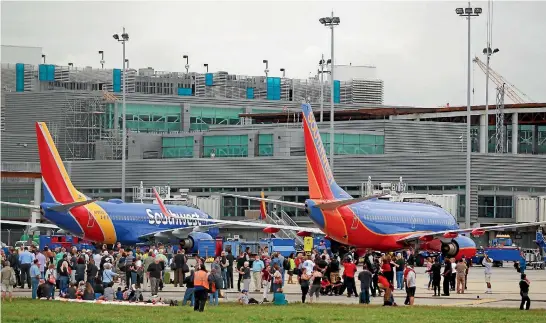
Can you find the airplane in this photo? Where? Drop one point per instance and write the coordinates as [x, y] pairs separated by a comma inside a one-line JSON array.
[[369, 222], [113, 220]]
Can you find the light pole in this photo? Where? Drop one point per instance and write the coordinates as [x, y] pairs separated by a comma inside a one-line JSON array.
[[187, 63], [322, 64], [101, 52], [468, 12], [207, 66], [124, 38], [283, 72], [485, 132], [127, 63], [331, 22], [70, 65], [43, 56], [266, 62]]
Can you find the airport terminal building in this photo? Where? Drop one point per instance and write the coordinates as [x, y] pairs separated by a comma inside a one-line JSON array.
[[216, 132]]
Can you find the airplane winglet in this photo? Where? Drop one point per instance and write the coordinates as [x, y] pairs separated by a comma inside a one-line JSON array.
[[336, 204], [69, 206], [162, 206]]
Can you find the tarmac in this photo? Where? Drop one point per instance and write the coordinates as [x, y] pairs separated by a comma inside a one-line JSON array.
[[505, 287]]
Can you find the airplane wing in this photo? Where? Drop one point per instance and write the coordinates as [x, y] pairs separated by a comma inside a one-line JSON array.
[[240, 223], [26, 206], [323, 206], [278, 202], [473, 231], [186, 230], [42, 225], [254, 224]]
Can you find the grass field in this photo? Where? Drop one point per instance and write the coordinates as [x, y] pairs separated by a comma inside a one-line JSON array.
[[25, 310]]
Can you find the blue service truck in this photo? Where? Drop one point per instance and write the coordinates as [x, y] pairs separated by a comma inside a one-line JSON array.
[[501, 254]]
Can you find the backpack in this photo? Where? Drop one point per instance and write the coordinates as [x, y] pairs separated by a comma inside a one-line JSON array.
[[286, 264], [12, 278]]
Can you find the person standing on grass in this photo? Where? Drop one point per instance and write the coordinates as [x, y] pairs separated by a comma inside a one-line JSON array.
[[257, 267], [365, 277], [201, 288], [316, 279], [8, 279], [411, 284], [349, 270], [154, 274], [488, 264], [524, 292]]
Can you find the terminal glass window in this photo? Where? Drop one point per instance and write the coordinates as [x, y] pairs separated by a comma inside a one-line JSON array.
[[225, 146], [146, 117], [500, 207], [265, 145], [201, 117], [354, 144], [525, 139], [177, 147], [541, 140]]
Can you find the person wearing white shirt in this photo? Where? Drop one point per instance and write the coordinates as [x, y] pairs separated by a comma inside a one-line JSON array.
[[488, 264], [411, 283], [308, 265]]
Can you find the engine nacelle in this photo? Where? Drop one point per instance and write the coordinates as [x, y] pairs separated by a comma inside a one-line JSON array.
[[191, 243], [450, 249], [459, 247]]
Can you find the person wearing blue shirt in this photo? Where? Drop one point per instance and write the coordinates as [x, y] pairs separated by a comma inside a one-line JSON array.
[[35, 274], [257, 267], [25, 260]]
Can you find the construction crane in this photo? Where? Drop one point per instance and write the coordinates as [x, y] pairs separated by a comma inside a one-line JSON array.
[[515, 94]]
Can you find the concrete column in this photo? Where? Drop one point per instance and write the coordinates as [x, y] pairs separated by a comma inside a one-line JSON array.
[[534, 147], [185, 122], [35, 215], [484, 129], [197, 144], [252, 143], [515, 133]]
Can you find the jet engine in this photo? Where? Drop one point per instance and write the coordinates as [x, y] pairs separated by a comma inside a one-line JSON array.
[[450, 249], [191, 243]]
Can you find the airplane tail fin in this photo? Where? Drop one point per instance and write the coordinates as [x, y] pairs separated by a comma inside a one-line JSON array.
[[263, 209], [319, 174], [56, 183]]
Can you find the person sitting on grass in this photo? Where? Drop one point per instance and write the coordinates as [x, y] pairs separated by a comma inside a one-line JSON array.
[[109, 292], [44, 290], [72, 291], [279, 298], [244, 299]]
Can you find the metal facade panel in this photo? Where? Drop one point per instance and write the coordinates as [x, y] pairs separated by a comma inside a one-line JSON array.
[[423, 169], [19, 147]]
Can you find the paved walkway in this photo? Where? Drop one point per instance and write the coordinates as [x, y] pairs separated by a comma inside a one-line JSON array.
[[504, 284]]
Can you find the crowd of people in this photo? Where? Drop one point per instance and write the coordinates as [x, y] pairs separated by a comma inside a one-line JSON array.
[[123, 275]]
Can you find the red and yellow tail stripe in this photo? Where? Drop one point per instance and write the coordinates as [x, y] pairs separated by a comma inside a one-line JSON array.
[[92, 218], [263, 209]]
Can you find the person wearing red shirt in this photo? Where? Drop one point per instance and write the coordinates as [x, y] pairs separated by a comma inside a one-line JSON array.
[[349, 270], [384, 284]]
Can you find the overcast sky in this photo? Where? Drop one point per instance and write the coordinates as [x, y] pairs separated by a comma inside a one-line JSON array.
[[419, 48]]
